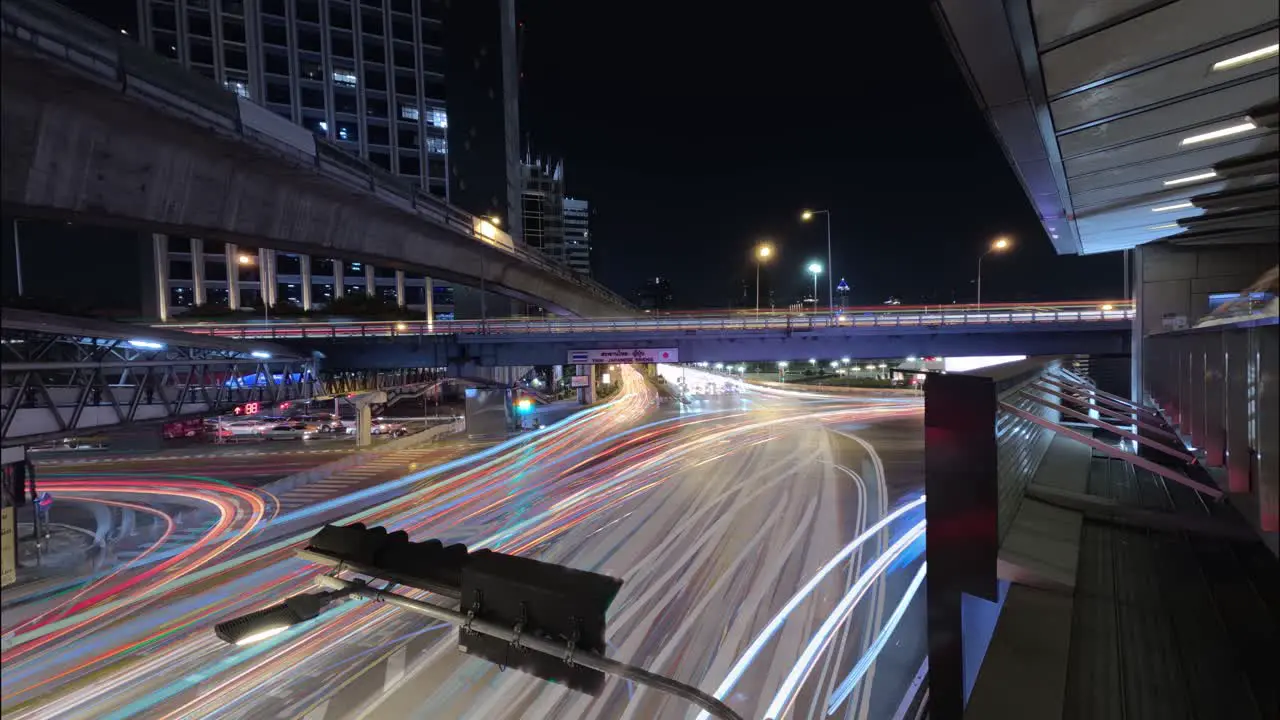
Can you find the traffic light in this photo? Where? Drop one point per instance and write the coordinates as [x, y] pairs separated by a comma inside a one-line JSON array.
[[429, 565], [557, 603], [524, 405]]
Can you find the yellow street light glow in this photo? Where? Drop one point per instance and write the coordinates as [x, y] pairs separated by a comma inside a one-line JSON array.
[[245, 260], [261, 635], [401, 326], [1243, 127], [764, 251], [1164, 226], [1108, 307], [1176, 206], [1191, 178], [1250, 57], [1000, 244], [806, 215], [497, 221]]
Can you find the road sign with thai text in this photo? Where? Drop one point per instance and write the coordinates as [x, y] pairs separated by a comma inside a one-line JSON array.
[[624, 355]]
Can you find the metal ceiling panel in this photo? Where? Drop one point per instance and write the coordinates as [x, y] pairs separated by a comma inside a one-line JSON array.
[[1095, 97], [1159, 147], [1145, 191], [1184, 163], [1196, 111], [1150, 38], [1176, 79], [1058, 19]]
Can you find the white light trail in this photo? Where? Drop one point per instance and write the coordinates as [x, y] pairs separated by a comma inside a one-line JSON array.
[[818, 642], [767, 633], [864, 663]]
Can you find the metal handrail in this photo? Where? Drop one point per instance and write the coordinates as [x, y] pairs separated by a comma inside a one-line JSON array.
[[107, 54], [683, 324]]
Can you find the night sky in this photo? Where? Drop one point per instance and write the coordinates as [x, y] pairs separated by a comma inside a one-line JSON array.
[[698, 129], [695, 131]]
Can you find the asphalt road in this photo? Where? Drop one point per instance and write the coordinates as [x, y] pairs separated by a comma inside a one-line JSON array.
[[716, 515]]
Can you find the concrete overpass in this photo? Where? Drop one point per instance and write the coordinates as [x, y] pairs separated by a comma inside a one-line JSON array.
[[464, 346], [99, 130]]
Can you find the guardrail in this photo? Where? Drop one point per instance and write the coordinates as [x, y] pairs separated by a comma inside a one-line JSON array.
[[54, 31], [684, 323]]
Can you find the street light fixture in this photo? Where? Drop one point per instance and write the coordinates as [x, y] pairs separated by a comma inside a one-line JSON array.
[[1108, 307], [245, 259], [271, 621], [999, 245], [806, 216], [815, 268], [763, 252]]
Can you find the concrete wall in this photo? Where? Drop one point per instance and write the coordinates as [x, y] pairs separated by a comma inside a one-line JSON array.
[[80, 149], [1179, 280]]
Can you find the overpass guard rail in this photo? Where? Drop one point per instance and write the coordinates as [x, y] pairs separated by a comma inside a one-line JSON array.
[[52, 30], [979, 317]]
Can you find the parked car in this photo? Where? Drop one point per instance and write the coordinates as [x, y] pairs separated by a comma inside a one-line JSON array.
[[288, 431], [183, 429]]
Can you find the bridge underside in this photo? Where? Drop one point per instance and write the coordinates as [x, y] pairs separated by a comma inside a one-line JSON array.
[[504, 351], [85, 149]]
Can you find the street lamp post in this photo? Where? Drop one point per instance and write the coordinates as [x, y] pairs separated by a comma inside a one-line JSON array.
[[816, 269], [806, 216], [262, 288], [1000, 245], [763, 251]]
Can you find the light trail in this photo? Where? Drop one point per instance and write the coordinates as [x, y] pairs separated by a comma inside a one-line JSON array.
[[846, 686], [786, 693]]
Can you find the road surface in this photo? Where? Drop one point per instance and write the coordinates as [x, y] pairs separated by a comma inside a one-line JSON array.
[[731, 520]]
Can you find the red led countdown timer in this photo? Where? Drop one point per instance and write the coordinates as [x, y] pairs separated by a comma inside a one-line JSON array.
[[254, 408]]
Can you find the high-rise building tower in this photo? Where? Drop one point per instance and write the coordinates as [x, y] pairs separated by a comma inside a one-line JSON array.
[[577, 235], [542, 207], [481, 62], [367, 74]]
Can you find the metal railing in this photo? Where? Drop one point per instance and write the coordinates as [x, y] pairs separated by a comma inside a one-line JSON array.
[[684, 323], [54, 31]]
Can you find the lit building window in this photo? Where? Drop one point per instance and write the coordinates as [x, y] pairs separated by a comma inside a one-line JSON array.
[[344, 77], [437, 145], [238, 88], [437, 117], [409, 113]]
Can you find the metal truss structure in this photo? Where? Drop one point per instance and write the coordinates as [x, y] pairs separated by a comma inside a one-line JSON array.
[[61, 376]]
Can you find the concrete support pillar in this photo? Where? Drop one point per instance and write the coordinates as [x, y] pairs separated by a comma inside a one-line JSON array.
[[431, 306], [267, 276], [198, 296], [160, 253], [587, 395], [364, 425], [233, 276], [305, 270], [339, 279], [400, 288], [1138, 328], [370, 288]]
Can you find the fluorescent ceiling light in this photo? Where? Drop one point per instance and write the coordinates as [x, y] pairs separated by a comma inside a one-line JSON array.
[[1191, 178], [1166, 226], [1175, 206], [146, 344], [1245, 126], [1249, 57]]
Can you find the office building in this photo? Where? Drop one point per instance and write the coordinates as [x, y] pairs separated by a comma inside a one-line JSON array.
[[542, 206], [368, 75], [484, 129], [654, 296], [577, 235]]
